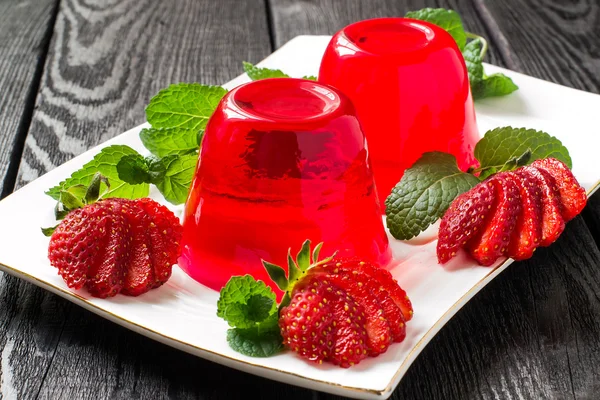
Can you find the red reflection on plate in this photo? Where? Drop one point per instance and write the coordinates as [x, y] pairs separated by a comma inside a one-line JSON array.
[[409, 84], [283, 160]]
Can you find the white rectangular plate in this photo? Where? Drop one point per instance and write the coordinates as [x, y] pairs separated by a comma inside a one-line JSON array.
[[182, 313]]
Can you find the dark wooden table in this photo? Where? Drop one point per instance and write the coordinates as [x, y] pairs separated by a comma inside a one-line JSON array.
[[74, 73]]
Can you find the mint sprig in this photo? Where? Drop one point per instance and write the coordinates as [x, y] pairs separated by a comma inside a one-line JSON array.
[[164, 142], [257, 73], [427, 189], [449, 20], [184, 106], [482, 85], [425, 193], [104, 163], [250, 308]]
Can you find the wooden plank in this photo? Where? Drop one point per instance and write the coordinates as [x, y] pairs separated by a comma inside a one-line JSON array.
[[522, 336], [325, 17], [106, 60], [25, 29]]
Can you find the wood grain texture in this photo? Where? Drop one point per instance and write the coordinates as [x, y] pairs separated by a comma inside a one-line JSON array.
[[24, 30], [106, 59], [551, 39], [325, 17]]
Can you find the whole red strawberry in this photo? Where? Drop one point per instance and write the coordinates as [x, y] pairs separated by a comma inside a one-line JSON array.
[[116, 246], [339, 310]]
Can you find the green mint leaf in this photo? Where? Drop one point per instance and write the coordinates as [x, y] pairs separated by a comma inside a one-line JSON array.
[[133, 169], [184, 106], [449, 20], [310, 77], [424, 193], [249, 343], [473, 60], [164, 142], [177, 179], [277, 275], [49, 231], [105, 163], [499, 146], [257, 309], [239, 290], [492, 86], [256, 73]]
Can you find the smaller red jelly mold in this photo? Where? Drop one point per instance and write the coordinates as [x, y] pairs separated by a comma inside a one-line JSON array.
[[282, 161]]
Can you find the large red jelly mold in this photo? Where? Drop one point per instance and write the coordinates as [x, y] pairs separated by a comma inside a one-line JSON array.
[[409, 84], [282, 161]]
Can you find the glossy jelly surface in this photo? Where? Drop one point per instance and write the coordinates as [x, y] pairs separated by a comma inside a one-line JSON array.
[[282, 161], [409, 84]]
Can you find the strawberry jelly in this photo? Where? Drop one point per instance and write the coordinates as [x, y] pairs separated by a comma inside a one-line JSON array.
[[409, 84], [283, 160]]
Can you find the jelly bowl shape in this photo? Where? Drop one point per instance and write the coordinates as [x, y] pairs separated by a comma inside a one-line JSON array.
[[409, 84], [282, 161]]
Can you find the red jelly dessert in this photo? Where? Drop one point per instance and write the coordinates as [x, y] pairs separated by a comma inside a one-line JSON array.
[[409, 84], [282, 161]]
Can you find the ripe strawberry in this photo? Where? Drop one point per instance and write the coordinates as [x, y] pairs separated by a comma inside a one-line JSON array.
[[306, 323], [493, 241], [392, 312], [466, 216], [528, 231], [359, 298], [572, 196], [116, 246], [553, 223]]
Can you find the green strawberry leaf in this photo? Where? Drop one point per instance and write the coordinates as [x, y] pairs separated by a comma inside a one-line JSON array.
[[49, 231], [501, 145], [449, 20], [424, 194], [303, 257], [257, 73], [184, 106], [277, 275], [239, 290], [493, 85], [249, 343], [177, 176], [164, 142], [316, 252], [105, 163]]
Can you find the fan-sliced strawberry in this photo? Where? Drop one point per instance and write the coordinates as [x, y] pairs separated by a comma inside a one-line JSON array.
[[375, 321], [528, 231], [392, 312], [553, 223], [572, 195], [465, 217], [492, 243]]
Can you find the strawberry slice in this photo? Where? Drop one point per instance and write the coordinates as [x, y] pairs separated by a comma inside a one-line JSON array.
[[572, 195], [492, 243], [392, 312], [375, 321], [528, 232], [105, 278], [553, 223], [164, 233], [466, 216]]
